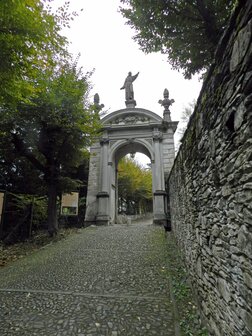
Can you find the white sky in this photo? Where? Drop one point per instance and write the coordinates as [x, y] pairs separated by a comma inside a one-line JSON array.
[[105, 43]]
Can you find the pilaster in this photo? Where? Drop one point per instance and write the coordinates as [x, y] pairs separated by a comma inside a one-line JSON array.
[[103, 216]]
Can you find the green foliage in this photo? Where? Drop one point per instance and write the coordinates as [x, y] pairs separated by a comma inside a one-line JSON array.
[[39, 204], [134, 186], [175, 272], [186, 31], [53, 131], [23, 214], [16, 173], [29, 43], [46, 119]]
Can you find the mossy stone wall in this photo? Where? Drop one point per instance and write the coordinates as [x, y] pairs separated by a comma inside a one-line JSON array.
[[210, 185]]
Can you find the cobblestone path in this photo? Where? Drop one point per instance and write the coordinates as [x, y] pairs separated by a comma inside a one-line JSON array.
[[104, 281]]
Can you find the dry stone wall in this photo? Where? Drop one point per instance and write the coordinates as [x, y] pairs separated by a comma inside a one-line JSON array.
[[210, 185]]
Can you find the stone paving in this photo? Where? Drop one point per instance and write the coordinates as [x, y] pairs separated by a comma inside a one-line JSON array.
[[104, 281]]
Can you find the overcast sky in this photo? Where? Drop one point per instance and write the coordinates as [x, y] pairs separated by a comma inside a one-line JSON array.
[[105, 43]]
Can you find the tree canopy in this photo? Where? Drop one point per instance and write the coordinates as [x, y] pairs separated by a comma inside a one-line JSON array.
[[30, 40], [186, 31], [52, 131], [46, 120]]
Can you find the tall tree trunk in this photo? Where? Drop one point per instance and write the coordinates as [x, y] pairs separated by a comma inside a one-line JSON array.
[[52, 218]]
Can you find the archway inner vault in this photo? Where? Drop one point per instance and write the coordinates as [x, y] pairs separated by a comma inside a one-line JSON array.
[[126, 131]]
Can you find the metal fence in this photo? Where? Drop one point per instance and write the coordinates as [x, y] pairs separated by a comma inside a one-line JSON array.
[[20, 215]]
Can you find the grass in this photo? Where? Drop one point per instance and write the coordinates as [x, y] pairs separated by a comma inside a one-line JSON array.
[[10, 253], [175, 272]]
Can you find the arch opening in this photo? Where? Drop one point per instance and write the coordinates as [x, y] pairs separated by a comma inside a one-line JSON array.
[[134, 189], [133, 205]]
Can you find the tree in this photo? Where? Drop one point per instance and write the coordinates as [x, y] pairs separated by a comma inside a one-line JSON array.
[[45, 117], [17, 175], [134, 186], [186, 114], [186, 31], [185, 117], [53, 129], [29, 41]]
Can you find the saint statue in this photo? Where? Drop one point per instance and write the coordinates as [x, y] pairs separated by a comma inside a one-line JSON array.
[[128, 86]]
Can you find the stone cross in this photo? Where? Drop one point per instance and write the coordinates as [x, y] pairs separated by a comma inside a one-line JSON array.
[[97, 102]]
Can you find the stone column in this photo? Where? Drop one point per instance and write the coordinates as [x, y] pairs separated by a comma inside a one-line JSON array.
[[116, 195], [93, 184], [159, 193], [103, 217]]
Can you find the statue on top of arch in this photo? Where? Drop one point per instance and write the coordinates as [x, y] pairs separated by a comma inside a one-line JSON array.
[[128, 86]]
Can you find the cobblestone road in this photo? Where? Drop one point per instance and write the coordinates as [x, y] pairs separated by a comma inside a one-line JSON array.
[[104, 281]]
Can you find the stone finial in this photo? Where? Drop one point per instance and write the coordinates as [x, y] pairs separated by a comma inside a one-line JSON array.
[[129, 92], [166, 103], [97, 102]]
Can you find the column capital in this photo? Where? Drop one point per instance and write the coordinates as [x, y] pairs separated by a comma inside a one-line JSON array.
[[104, 141], [157, 136]]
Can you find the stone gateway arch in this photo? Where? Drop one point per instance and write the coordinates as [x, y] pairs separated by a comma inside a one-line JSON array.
[[130, 130]]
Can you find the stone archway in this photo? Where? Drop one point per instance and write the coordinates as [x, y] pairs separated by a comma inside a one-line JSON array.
[[118, 151], [126, 131]]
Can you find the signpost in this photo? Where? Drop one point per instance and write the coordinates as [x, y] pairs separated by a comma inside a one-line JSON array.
[[69, 204]]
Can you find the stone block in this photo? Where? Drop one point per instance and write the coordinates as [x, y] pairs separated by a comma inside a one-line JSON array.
[[248, 321], [213, 326], [247, 213], [246, 316], [223, 287], [247, 278], [226, 191], [239, 116], [244, 241], [241, 45]]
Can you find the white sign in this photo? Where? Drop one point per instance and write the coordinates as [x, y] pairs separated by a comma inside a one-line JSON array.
[[69, 204]]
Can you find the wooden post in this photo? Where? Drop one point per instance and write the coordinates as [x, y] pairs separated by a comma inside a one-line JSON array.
[[31, 216], [2, 214]]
